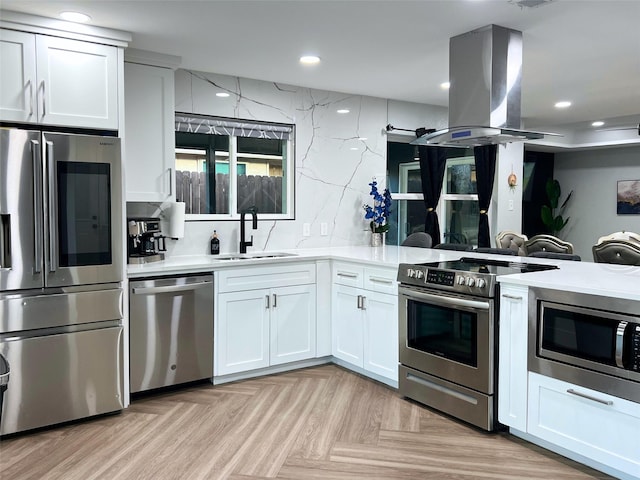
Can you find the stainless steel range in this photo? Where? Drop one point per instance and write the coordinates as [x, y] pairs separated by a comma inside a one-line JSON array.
[[448, 316]]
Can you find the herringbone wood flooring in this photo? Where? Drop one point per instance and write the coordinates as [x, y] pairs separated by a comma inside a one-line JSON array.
[[317, 423]]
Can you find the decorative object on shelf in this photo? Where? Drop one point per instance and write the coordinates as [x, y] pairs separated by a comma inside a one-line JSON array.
[[554, 222], [378, 214], [628, 197]]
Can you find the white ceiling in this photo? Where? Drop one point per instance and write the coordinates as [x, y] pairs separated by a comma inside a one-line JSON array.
[[585, 51]]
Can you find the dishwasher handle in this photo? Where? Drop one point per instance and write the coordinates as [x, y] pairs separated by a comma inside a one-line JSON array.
[[170, 288]]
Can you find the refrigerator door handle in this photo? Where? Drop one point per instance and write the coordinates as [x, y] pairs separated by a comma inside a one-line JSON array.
[[53, 211], [5, 240], [37, 202]]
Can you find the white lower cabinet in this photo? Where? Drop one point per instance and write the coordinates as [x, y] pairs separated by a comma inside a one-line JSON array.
[[595, 425], [365, 320], [512, 372], [262, 327]]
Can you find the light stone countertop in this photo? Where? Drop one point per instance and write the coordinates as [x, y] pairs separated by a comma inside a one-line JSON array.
[[617, 281]]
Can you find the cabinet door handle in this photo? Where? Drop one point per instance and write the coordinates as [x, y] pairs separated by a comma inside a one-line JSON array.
[[381, 280], [347, 275], [30, 97], [44, 105], [511, 297], [275, 302], [170, 181], [363, 303], [589, 397], [267, 299]]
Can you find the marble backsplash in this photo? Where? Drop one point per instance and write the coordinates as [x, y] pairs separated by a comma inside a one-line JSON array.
[[336, 156]]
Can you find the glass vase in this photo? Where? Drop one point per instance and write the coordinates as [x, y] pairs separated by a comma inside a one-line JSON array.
[[377, 239]]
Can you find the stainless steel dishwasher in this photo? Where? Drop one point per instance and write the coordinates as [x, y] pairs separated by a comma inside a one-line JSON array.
[[171, 331]]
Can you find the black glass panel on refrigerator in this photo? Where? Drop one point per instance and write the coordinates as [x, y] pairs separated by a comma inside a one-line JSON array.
[[579, 335], [84, 214], [446, 332]]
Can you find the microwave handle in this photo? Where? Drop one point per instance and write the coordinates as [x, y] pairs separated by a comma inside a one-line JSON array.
[[622, 326]]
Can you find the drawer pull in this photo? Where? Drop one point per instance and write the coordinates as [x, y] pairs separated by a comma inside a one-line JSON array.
[[347, 275], [511, 297], [381, 280], [589, 397]]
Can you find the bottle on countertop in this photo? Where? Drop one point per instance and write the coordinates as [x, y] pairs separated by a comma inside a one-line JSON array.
[[215, 244]]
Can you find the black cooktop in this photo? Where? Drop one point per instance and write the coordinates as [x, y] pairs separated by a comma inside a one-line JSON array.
[[491, 267]]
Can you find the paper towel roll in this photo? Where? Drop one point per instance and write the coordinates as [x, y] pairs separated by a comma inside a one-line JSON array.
[[176, 220]]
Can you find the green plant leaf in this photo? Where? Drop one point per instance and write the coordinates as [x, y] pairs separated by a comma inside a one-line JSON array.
[[553, 192], [547, 216]]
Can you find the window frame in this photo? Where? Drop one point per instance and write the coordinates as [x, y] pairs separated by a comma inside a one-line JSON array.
[[288, 200]]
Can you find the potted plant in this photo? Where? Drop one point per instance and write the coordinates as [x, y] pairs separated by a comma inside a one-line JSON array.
[[554, 222], [378, 214]]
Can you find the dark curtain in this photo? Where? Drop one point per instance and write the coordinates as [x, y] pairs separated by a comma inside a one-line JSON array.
[[432, 163], [485, 159]]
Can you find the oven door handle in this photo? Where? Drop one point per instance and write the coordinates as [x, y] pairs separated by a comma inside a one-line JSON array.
[[444, 300], [622, 326]]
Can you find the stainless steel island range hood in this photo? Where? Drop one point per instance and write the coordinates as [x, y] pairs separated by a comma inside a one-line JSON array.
[[485, 69]]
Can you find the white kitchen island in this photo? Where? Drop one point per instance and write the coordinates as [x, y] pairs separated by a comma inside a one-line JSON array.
[[586, 425]]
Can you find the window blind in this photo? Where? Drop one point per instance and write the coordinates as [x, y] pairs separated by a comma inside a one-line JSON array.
[[192, 123]]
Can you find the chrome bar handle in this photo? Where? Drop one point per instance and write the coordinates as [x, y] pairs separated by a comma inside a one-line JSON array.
[[275, 301], [359, 304], [266, 297], [44, 104], [589, 397], [363, 305], [38, 230], [347, 275], [53, 211], [30, 82], [512, 297], [384, 281], [171, 288], [622, 326], [5, 240], [170, 181]]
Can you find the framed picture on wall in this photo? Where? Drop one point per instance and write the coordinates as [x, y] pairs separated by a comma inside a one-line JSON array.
[[628, 197]]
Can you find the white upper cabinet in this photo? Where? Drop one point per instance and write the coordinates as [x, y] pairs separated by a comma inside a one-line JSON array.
[[58, 81], [17, 76], [149, 133]]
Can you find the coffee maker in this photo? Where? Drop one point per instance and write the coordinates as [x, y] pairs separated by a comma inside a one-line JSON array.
[[145, 240]]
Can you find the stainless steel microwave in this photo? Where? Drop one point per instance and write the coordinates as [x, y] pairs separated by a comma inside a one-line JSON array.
[[588, 340]]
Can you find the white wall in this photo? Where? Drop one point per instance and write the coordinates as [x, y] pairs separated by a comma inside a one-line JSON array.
[[593, 176], [331, 178]]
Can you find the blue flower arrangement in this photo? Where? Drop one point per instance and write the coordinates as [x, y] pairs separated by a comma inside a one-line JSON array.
[[380, 211]]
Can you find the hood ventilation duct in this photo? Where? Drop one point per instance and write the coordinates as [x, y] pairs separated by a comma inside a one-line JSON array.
[[485, 69]]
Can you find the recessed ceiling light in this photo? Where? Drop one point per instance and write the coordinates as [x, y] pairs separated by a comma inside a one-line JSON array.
[[310, 59], [354, 148], [75, 17], [599, 123], [445, 85], [342, 110], [222, 94], [563, 104]]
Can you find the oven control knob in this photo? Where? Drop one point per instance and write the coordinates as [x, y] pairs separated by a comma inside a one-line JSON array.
[[471, 282], [411, 272], [481, 283], [419, 274], [461, 280]]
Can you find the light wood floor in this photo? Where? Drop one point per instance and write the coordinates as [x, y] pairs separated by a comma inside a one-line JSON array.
[[318, 423]]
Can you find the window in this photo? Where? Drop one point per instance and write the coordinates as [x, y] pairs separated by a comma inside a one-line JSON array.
[[227, 166], [458, 205]]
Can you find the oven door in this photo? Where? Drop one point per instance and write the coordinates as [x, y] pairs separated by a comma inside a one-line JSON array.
[[448, 336]]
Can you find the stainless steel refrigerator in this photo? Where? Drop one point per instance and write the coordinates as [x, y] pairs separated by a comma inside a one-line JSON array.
[[61, 273]]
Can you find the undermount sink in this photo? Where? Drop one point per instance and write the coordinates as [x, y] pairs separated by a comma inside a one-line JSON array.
[[253, 256]]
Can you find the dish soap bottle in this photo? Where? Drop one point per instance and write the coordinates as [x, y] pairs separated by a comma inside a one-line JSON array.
[[215, 244]]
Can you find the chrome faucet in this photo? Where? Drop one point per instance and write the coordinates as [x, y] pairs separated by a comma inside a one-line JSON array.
[[254, 215]]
